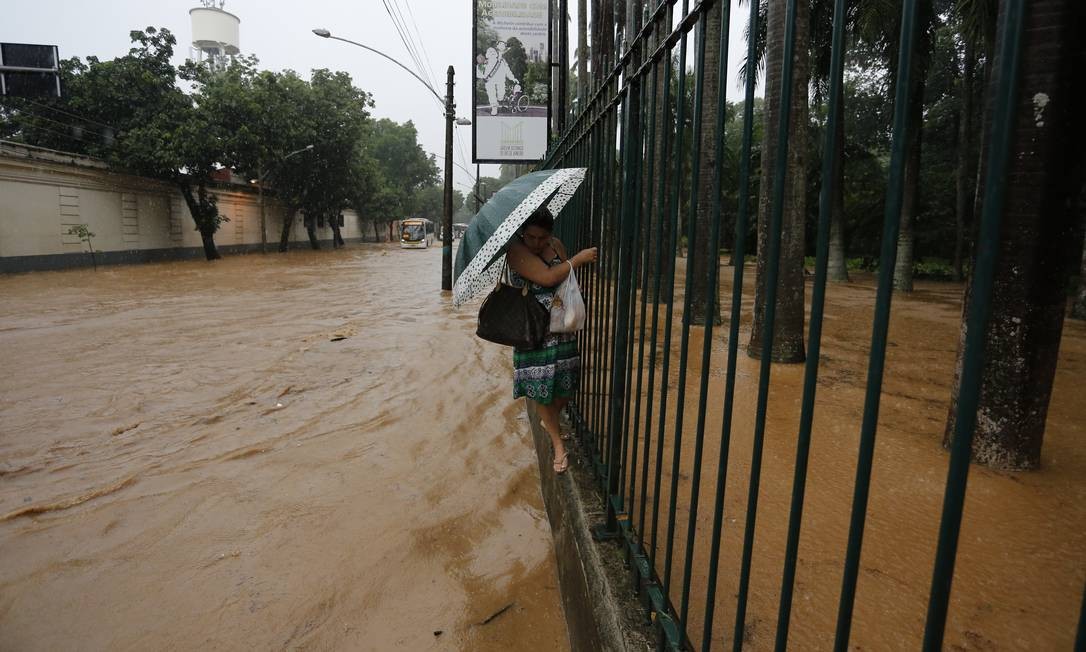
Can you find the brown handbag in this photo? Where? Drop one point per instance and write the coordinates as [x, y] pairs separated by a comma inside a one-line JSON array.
[[512, 316]]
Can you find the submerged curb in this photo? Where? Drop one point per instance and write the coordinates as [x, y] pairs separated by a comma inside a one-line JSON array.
[[598, 599]]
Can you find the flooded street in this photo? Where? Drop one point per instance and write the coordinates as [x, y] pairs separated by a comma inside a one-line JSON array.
[[299, 451]]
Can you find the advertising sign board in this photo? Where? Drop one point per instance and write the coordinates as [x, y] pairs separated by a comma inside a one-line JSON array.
[[512, 72]]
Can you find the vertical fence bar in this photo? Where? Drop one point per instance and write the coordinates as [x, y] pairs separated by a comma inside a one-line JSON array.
[[688, 308], [741, 227], [1080, 638], [631, 211], [673, 218], [713, 270], [597, 277], [999, 153], [784, 112], [643, 285], [887, 257], [625, 228], [642, 525], [814, 344], [670, 240], [611, 142]]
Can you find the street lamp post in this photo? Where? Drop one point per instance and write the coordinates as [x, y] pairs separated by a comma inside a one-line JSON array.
[[450, 119], [259, 181]]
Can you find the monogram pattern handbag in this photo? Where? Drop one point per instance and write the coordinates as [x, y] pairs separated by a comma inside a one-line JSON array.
[[512, 316]]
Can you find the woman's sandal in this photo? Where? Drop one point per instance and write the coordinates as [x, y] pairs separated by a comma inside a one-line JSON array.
[[561, 463]]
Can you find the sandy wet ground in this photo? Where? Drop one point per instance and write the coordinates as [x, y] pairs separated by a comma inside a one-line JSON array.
[[1021, 566], [301, 451]]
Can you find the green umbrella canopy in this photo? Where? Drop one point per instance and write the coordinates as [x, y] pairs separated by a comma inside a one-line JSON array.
[[498, 220]]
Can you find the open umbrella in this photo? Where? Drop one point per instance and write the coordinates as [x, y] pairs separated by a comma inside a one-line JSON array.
[[479, 257]]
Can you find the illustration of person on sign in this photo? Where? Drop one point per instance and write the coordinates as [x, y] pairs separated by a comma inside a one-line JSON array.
[[495, 73]]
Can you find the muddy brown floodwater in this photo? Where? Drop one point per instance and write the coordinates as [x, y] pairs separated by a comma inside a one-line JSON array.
[[300, 451], [1021, 564]]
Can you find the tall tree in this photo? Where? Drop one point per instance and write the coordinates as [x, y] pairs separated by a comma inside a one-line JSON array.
[[821, 49], [138, 120], [322, 182], [406, 166], [1036, 244], [963, 180], [430, 202], [267, 116], [703, 259], [788, 324], [168, 137]]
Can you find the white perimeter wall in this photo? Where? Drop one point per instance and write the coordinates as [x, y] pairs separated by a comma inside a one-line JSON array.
[[43, 194]]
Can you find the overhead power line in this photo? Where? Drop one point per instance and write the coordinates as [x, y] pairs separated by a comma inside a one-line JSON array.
[[408, 43], [72, 128], [70, 114]]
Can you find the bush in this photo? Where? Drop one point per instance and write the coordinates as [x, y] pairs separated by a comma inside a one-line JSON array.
[[865, 263], [934, 268]]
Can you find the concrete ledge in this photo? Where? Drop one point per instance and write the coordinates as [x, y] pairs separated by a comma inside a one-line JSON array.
[[47, 262], [601, 608]]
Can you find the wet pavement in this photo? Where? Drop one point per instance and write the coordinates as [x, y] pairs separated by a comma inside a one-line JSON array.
[[300, 451]]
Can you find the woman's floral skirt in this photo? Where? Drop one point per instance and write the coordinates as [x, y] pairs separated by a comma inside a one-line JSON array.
[[549, 372]]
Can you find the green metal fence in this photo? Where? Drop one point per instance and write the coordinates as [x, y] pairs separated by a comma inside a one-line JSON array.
[[629, 411]]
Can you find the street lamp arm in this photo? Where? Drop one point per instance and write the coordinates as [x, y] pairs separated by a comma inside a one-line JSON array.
[[366, 47], [265, 173]]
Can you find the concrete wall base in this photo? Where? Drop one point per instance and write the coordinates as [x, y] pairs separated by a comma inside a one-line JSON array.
[[600, 604], [47, 262]]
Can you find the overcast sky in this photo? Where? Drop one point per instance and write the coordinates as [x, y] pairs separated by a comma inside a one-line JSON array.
[[279, 33]]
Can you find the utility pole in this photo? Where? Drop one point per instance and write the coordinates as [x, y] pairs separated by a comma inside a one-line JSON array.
[[446, 228], [478, 200]]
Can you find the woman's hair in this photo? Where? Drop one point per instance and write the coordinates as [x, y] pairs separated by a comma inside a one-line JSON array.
[[541, 218]]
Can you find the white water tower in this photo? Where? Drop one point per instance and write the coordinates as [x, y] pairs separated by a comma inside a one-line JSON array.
[[214, 34]]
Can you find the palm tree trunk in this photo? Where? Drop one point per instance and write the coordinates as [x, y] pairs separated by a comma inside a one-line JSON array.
[[906, 240], [963, 191], [1035, 247], [788, 324], [703, 260], [837, 268]]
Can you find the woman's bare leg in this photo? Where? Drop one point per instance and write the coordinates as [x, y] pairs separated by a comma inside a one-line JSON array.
[[559, 405], [548, 414]]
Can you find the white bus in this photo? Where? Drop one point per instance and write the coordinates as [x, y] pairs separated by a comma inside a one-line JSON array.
[[416, 233]]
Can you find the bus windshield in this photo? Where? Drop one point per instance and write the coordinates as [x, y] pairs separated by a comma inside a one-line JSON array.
[[413, 232]]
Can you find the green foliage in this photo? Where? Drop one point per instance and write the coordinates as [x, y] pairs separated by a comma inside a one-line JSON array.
[[429, 202], [84, 234], [399, 169], [934, 268]]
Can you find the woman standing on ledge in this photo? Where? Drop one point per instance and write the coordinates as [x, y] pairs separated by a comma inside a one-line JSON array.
[[548, 375]]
